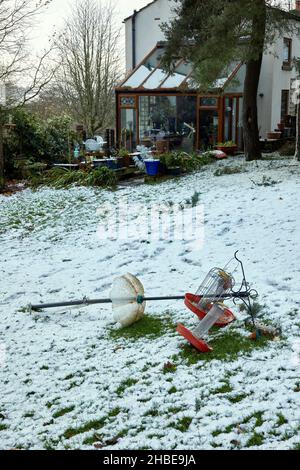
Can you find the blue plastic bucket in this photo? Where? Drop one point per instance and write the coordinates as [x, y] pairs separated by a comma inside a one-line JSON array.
[[152, 167]]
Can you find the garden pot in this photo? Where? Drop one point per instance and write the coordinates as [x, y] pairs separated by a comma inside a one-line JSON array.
[[120, 162], [175, 171], [152, 167], [127, 161], [274, 135], [99, 163], [228, 150], [112, 163], [162, 169]]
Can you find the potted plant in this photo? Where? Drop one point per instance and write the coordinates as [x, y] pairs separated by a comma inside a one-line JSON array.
[[228, 147], [125, 155], [173, 162]]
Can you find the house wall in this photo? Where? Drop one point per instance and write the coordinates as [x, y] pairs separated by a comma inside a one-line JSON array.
[[148, 32], [281, 78], [273, 79]]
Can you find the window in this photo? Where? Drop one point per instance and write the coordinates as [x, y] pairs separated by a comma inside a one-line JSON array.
[[128, 128], [128, 101], [287, 53], [285, 94], [209, 102], [170, 118]]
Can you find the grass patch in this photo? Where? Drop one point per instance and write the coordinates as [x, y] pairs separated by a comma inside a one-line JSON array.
[[226, 388], [29, 414], [237, 398], [172, 390], [154, 413], [281, 420], [174, 410], [147, 327], [256, 440], [63, 412], [69, 377], [169, 368], [230, 170], [124, 385], [90, 426], [183, 424], [259, 419], [227, 430], [226, 347], [114, 412], [3, 427]]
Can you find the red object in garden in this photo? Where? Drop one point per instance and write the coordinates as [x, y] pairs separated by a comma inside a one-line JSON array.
[[219, 155], [228, 150], [192, 303], [199, 344]]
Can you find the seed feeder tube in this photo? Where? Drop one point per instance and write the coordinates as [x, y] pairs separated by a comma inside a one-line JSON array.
[[213, 316], [217, 284]]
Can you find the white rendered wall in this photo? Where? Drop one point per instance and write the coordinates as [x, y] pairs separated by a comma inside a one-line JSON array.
[[272, 81], [148, 31]]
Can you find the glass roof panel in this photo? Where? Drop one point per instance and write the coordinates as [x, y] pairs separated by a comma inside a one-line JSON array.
[[177, 78], [141, 74], [155, 79], [150, 76], [137, 78]]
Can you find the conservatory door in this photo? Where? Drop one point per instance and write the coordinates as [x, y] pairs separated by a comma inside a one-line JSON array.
[[208, 128]]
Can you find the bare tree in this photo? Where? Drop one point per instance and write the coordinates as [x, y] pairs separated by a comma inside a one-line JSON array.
[[90, 66], [20, 73]]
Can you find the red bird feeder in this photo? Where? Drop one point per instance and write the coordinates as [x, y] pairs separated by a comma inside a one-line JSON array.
[[208, 306]]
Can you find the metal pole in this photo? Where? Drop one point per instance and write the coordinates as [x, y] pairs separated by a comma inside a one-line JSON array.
[[86, 302]]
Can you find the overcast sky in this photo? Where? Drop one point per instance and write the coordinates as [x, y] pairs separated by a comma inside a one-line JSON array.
[[58, 10]]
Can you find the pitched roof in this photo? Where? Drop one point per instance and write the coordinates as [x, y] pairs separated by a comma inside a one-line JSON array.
[[150, 75], [138, 11]]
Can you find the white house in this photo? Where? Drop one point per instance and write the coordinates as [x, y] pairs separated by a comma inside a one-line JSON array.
[[151, 102]]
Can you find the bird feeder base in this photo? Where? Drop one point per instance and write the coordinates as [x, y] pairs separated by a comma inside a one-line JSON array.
[[199, 344], [192, 303]]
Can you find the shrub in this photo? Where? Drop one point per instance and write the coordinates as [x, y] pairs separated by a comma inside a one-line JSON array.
[[185, 161], [36, 141], [61, 178], [103, 177], [288, 149]]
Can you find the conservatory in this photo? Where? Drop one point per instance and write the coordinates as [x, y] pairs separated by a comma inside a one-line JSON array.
[[154, 107]]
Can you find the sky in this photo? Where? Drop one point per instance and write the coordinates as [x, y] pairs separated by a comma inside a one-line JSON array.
[[53, 18]]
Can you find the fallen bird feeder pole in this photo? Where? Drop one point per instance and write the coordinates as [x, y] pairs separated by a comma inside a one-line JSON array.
[[87, 302]]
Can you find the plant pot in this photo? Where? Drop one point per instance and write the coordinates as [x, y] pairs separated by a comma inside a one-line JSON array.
[[112, 163], [152, 167], [274, 135], [162, 169], [175, 171], [120, 162], [127, 161], [99, 163], [281, 126], [228, 150]]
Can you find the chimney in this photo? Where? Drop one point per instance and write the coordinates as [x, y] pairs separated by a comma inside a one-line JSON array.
[[298, 5]]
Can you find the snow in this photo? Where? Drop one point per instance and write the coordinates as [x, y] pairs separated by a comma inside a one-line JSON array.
[[51, 250]]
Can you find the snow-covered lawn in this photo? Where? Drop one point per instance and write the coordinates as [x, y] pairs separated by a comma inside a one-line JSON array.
[[70, 378]]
